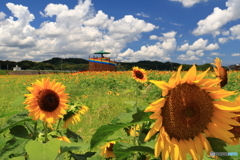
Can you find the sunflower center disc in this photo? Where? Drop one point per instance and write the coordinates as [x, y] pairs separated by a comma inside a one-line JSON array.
[[48, 100], [236, 129], [110, 148], [187, 111], [139, 74]]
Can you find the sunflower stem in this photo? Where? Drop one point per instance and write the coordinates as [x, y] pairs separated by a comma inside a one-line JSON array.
[[136, 89], [35, 130], [58, 124], [45, 132]]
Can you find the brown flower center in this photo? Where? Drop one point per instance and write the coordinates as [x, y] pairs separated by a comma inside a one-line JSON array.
[[187, 111], [48, 100], [236, 129], [139, 74], [110, 148]]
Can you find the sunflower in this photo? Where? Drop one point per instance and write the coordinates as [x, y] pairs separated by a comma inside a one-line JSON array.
[[236, 129], [187, 112], [107, 150], [47, 100], [134, 130], [220, 72], [139, 74], [64, 138], [73, 115]]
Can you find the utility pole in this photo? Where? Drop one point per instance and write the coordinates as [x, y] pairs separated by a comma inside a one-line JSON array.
[[61, 64]]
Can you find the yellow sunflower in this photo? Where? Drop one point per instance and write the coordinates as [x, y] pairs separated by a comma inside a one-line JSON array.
[[220, 72], [107, 150], [139, 74], [189, 110], [64, 138], [236, 129], [134, 131], [47, 100], [73, 115]]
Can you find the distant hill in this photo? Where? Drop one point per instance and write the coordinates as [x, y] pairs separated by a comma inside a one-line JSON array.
[[80, 64], [57, 61]]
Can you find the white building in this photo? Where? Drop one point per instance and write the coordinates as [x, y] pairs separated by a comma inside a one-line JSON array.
[[16, 68]]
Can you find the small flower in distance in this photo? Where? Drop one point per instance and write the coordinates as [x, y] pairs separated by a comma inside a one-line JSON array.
[[220, 72], [64, 138], [139, 74], [107, 150], [73, 115]]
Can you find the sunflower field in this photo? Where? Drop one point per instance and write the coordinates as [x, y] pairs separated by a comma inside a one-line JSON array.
[[124, 115]]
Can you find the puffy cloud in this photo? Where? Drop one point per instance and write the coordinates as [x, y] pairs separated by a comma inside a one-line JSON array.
[[184, 47], [17, 33], [235, 32], [199, 44], [212, 46], [167, 35], [225, 33], [2, 15], [218, 18], [75, 32], [189, 3], [216, 54], [142, 14], [159, 51], [191, 55], [222, 40], [236, 54]]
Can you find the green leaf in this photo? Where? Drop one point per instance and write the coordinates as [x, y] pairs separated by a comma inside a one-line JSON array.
[[18, 101], [82, 156], [120, 150], [18, 158], [74, 137], [104, 132], [13, 147], [43, 151], [123, 150], [69, 146], [15, 120], [3, 142], [118, 135], [234, 148], [8, 114], [218, 146], [19, 131], [141, 116], [124, 117]]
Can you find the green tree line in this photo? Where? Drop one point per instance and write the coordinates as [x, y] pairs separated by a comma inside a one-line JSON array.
[[79, 64]]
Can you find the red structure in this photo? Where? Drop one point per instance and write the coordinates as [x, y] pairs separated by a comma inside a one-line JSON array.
[[102, 63]]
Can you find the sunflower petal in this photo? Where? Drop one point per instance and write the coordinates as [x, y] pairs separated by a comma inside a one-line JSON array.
[[190, 75], [228, 106]]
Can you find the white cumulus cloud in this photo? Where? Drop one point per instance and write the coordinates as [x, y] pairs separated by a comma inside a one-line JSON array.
[[236, 54], [199, 44], [222, 40], [235, 32], [160, 51], [76, 32], [189, 3], [218, 18]]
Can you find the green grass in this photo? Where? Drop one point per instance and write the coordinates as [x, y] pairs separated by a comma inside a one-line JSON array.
[[3, 72]]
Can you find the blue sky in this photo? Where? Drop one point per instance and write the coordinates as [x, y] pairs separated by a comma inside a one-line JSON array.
[[182, 31]]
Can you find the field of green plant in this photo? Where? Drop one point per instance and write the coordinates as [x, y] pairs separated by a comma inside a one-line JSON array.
[[107, 95]]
